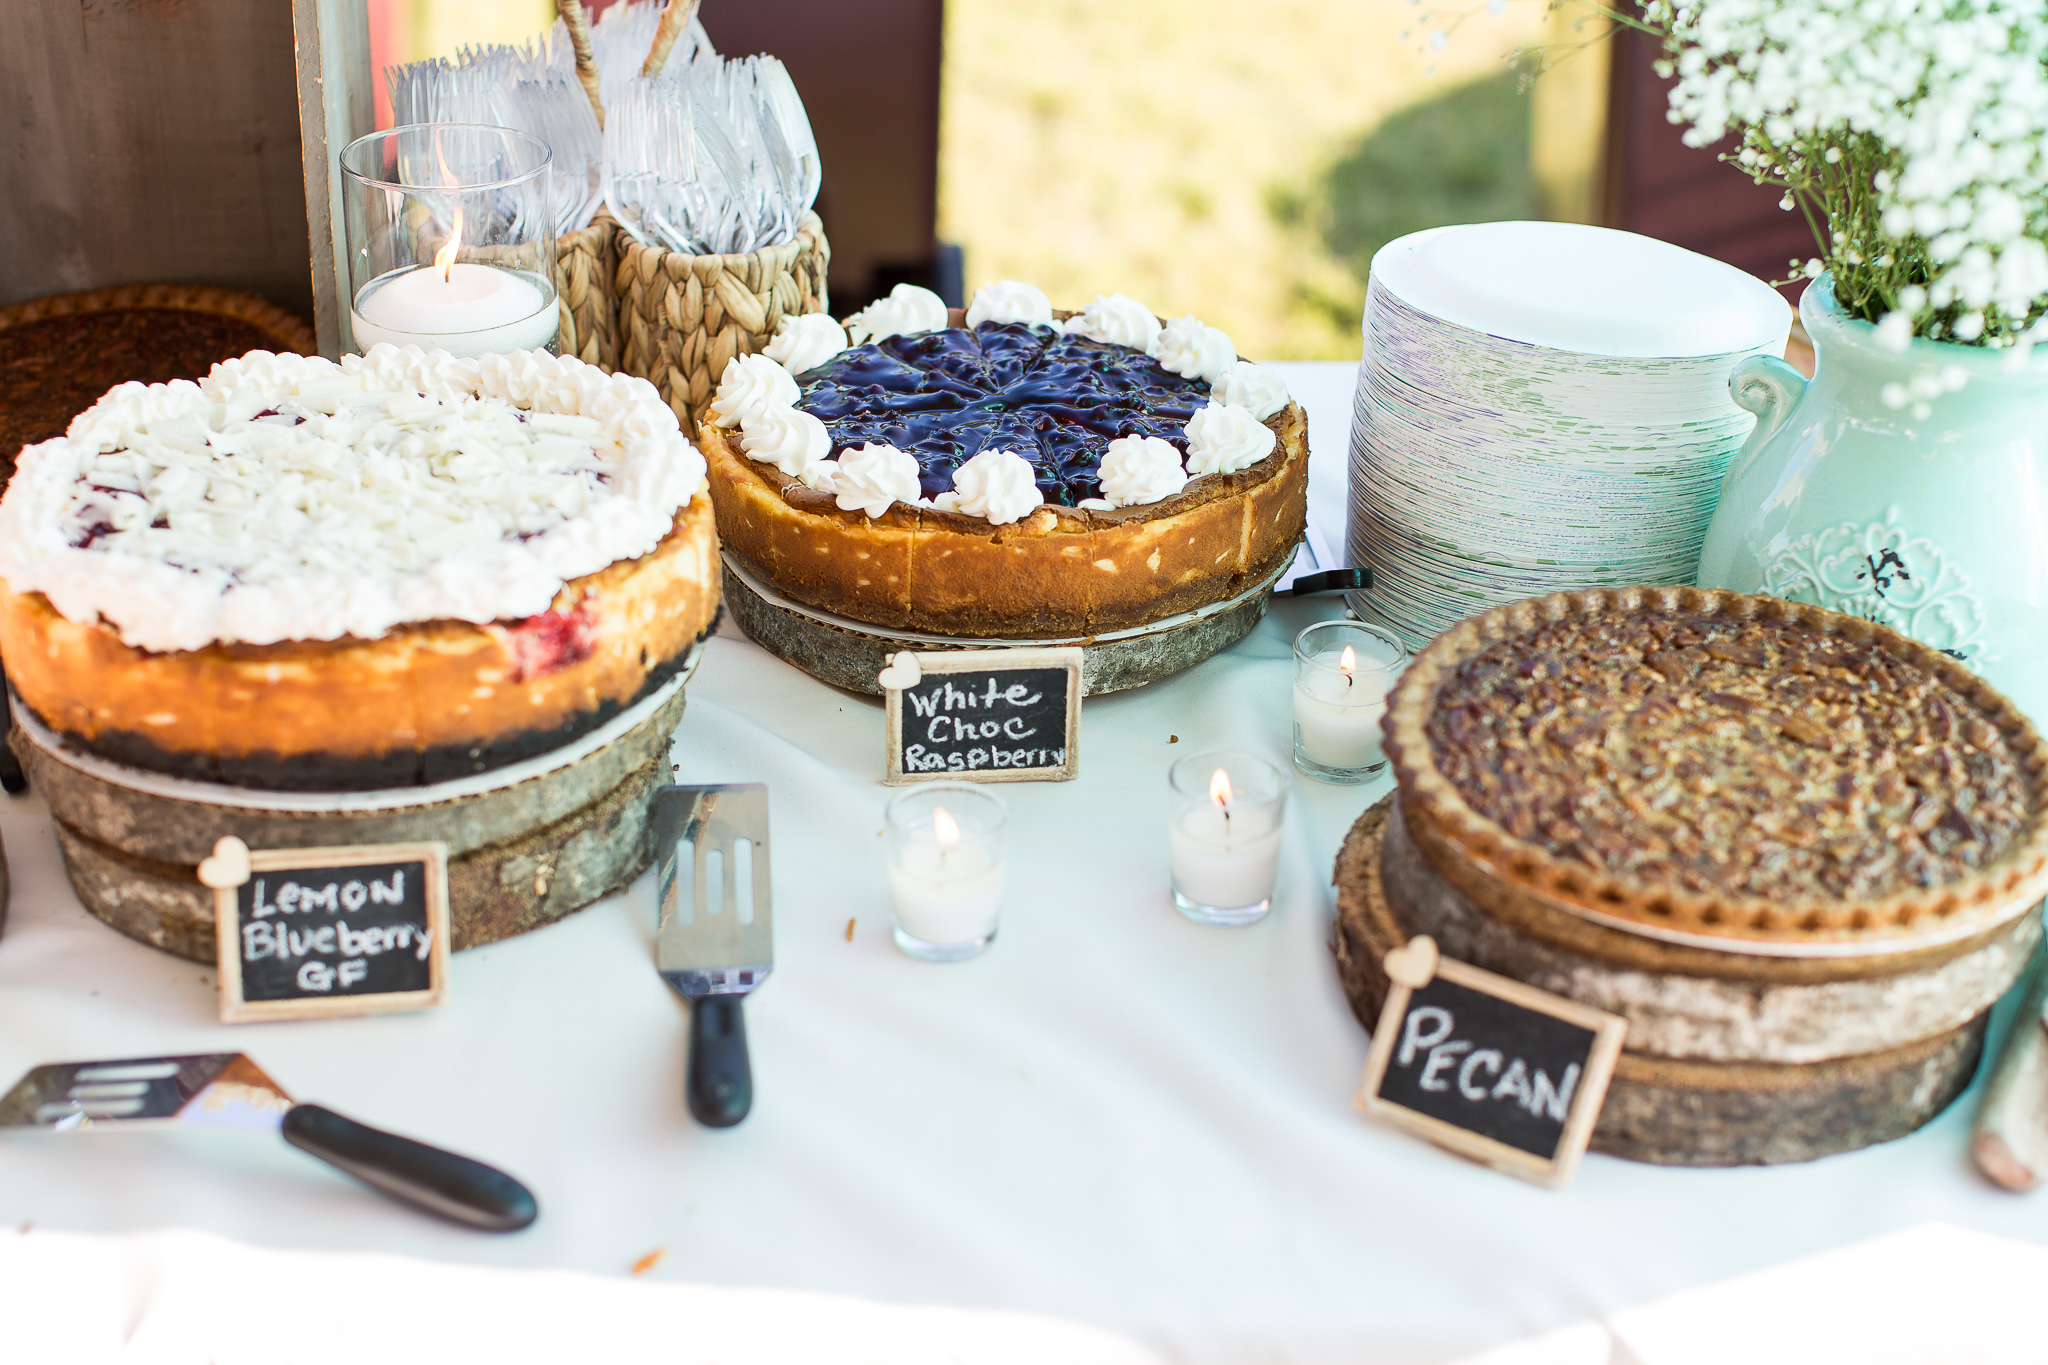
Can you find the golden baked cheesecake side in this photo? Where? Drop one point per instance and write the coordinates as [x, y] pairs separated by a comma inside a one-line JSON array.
[[424, 702], [1723, 766], [1060, 570], [1009, 472], [419, 613]]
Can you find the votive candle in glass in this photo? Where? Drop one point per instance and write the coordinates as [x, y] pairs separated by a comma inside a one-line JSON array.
[[946, 864], [1343, 671], [1223, 838], [451, 244]]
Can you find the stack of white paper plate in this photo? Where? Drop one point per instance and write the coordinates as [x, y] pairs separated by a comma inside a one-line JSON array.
[[1542, 406]]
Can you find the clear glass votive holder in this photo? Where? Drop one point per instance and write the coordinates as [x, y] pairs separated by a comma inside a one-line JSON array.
[[451, 243], [1223, 835], [1343, 671], [946, 864]]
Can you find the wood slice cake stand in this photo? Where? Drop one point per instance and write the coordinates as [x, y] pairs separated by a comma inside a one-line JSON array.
[[528, 844], [849, 653], [1730, 1059]]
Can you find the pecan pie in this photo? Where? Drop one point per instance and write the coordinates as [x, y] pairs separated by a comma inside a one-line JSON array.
[[1714, 764]]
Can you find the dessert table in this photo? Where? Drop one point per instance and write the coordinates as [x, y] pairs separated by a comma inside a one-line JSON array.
[[1114, 1116]]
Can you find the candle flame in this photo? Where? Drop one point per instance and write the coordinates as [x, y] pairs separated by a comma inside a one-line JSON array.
[[945, 828], [1349, 663], [444, 259], [1219, 788]]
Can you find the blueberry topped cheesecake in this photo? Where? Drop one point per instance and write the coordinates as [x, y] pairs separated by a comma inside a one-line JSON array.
[[1009, 472]]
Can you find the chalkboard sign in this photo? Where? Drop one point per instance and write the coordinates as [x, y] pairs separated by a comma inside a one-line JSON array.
[[316, 932], [1489, 1067], [984, 715]]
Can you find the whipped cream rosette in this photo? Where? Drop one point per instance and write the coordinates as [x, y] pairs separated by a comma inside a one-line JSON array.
[[806, 341], [908, 308]]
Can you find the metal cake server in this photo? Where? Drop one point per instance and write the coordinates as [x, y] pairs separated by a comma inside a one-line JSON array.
[[226, 1090], [715, 942]]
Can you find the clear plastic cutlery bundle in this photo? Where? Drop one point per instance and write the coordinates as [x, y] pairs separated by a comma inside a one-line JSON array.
[[708, 155]]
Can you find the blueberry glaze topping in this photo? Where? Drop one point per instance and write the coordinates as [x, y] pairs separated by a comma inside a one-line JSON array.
[[1056, 399]]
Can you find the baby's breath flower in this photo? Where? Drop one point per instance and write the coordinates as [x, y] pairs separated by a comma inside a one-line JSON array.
[[1938, 106]]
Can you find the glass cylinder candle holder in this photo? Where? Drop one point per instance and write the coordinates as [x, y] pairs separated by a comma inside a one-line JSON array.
[[1224, 835], [451, 244], [946, 863], [1343, 671]]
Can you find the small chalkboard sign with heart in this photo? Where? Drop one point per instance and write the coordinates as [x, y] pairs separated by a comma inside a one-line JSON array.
[[1502, 1072], [983, 715], [306, 933]]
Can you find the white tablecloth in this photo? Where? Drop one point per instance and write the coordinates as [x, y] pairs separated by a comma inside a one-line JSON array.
[[1114, 1116]]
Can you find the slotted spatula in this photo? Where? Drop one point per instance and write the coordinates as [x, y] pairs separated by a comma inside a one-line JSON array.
[[714, 941], [227, 1090]]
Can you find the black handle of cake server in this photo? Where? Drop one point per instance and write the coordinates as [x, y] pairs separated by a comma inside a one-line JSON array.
[[1330, 580], [455, 1187], [719, 1083]]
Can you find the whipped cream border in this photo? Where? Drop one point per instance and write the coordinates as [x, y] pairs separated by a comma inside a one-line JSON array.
[[156, 606]]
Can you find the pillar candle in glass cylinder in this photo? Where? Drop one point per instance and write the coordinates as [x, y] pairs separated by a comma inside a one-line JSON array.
[[451, 245], [1343, 671], [1223, 838], [946, 865]]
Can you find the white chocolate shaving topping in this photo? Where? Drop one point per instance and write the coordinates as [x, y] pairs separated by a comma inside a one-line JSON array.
[[288, 497]]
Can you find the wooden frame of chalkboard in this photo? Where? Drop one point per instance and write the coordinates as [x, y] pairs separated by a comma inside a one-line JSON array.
[[240, 999], [1586, 1096], [1017, 747]]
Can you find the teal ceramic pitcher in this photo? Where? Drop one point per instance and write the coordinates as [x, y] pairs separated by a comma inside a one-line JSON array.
[[1907, 487]]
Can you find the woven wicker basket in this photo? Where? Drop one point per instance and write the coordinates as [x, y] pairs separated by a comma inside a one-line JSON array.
[[26, 416], [289, 331], [682, 318], [585, 262]]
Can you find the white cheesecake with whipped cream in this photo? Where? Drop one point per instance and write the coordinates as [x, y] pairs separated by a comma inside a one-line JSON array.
[[382, 572]]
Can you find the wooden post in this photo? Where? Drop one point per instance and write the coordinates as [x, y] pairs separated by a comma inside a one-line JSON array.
[[150, 143], [2011, 1142], [336, 106]]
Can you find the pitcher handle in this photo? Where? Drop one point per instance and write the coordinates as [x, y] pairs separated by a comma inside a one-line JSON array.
[[1768, 387]]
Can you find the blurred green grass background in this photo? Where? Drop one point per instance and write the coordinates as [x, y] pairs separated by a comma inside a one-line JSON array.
[[1240, 160]]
